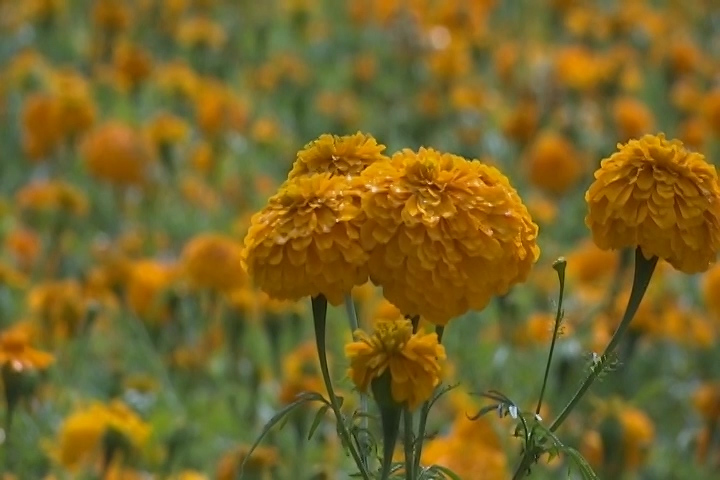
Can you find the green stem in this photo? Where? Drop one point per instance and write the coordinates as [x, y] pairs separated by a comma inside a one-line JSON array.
[[559, 267], [319, 308], [644, 269], [363, 434], [409, 445], [424, 413]]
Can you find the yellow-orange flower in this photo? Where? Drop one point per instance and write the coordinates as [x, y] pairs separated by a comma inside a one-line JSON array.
[[553, 163], [148, 280], [412, 360], [81, 435], [444, 234], [655, 194], [305, 241], [214, 262], [60, 305], [167, 129], [16, 352], [52, 196], [41, 130], [706, 400], [346, 155], [117, 154], [74, 97], [201, 32], [300, 371], [133, 65], [711, 110], [632, 118]]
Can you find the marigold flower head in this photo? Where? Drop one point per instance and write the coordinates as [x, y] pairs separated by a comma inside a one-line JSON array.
[[148, 280], [60, 305], [346, 155], [201, 32], [81, 435], [41, 129], [133, 65], [444, 234], [632, 118], [711, 110], [305, 241], [706, 401], [167, 129], [300, 372], [553, 163], [213, 261], [53, 196], [16, 352], [117, 154], [411, 359], [654, 194], [75, 100]]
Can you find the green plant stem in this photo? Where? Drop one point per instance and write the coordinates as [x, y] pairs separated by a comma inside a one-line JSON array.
[[559, 266], [362, 435], [644, 269], [409, 445], [319, 308], [424, 413]]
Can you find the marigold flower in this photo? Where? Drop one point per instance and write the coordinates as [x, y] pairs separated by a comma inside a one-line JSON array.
[[60, 305], [632, 118], [74, 97], [706, 400], [412, 360], [300, 373], [111, 15], [81, 435], [346, 155], [444, 234], [201, 32], [133, 65], [117, 154], [52, 196], [553, 163], [41, 130], [654, 194], [148, 280], [16, 352], [711, 110], [167, 129], [213, 261], [305, 241]]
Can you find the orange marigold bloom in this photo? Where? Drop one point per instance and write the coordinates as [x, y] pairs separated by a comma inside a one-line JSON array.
[[117, 154], [60, 305], [147, 281], [214, 262], [52, 196], [444, 234], [632, 118], [41, 129], [706, 400], [133, 65], [16, 352], [81, 436], [553, 163], [655, 194], [411, 360], [167, 129], [201, 32], [75, 100], [305, 242], [711, 110], [346, 155], [301, 373]]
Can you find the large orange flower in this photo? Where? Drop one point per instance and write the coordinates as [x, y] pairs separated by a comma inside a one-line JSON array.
[[444, 234], [306, 241], [655, 194]]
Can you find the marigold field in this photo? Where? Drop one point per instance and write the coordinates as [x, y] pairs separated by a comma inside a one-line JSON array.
[[376, 239]]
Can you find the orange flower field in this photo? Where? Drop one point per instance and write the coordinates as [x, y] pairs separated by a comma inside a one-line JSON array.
[[359, 239]]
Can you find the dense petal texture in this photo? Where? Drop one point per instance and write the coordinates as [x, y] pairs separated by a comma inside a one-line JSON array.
[[655, 194], [306, 241], [346, 155], [413, 360], [445, 234]]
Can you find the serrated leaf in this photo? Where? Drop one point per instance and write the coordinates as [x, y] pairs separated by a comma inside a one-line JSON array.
[[303, 398], [316, 421]]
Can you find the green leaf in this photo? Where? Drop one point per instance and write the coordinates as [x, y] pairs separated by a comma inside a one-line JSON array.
[[318, 418], [585, 469], [446, 472], [303, 398], [483, 411]]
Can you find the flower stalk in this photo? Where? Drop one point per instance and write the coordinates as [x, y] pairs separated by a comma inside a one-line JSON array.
[[319, 310], [363, 434]]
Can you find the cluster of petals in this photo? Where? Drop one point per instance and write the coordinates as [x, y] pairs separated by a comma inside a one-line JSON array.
[[306, 240], [411, 359], [654, 194], [444, 234]]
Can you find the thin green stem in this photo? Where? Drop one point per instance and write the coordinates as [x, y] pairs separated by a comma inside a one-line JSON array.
[[363, 434], [319, 308], [424, 413], [559, 266], [409, 444], [644, 269]]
